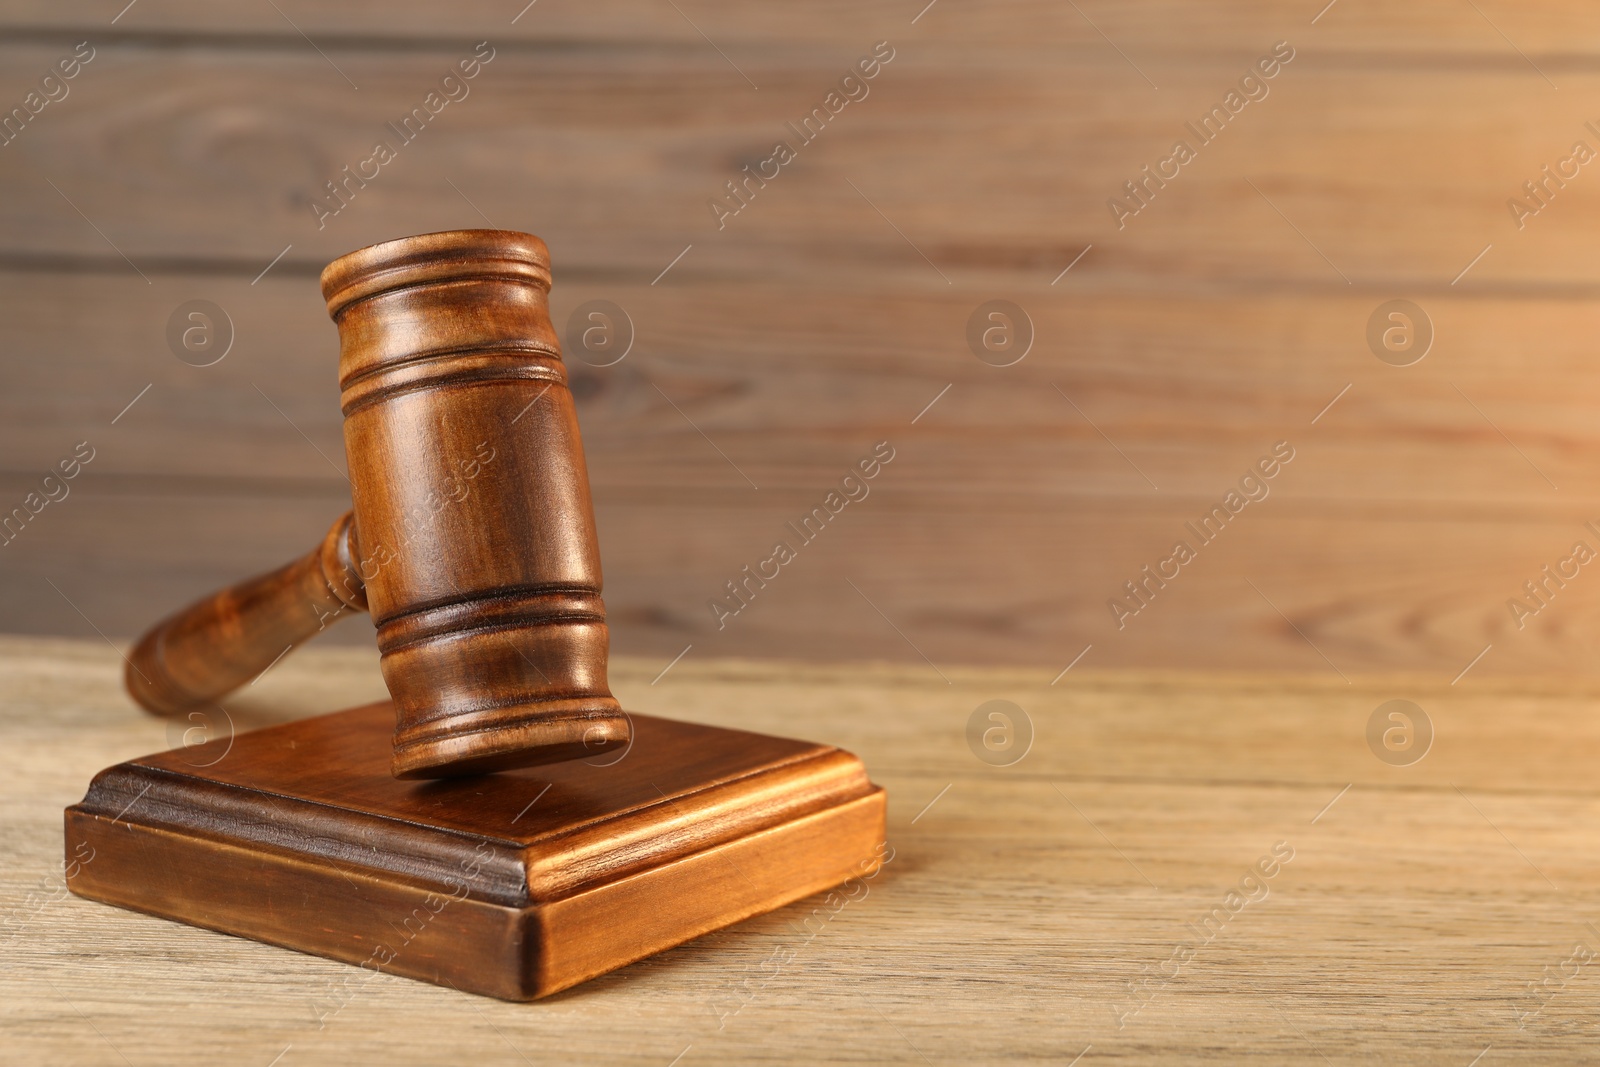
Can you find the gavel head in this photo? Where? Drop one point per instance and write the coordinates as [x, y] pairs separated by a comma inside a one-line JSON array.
[[473, 520]]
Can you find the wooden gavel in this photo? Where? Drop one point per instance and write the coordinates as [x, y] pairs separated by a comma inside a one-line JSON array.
[[471, 539]]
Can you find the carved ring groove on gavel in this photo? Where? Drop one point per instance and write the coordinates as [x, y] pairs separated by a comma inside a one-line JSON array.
[[471, 539]]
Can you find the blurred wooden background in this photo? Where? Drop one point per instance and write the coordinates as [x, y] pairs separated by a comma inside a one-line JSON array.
[[830, 312]]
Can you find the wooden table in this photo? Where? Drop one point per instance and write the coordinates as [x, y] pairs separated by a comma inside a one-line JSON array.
[[1034, 912]]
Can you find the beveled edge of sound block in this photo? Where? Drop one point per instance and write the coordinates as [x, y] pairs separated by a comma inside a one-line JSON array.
[[514, 885]]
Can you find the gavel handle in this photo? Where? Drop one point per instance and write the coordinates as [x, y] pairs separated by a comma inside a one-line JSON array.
[[221, 642]]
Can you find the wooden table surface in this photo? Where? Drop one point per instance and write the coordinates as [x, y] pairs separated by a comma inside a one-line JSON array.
[[1031, 913]]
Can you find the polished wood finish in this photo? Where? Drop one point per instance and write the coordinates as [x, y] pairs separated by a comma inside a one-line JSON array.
[[225, 640], [1011, 924], [478, 562], [477, 543], [473, 536], [515, 886], [478, 548]]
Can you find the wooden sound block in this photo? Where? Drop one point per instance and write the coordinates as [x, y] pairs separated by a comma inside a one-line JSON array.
[[513, 885]]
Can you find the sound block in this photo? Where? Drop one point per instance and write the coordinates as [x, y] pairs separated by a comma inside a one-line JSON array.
[[512, 885]]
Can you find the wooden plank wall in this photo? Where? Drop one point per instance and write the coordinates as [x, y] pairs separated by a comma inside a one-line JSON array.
[[831, 310]]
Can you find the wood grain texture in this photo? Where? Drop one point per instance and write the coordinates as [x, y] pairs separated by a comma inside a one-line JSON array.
[[476, 539], [1394, 539], [226, 640], [622, 162], [508, 886], [782, 347], [1018, 910], [1551, 28]]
